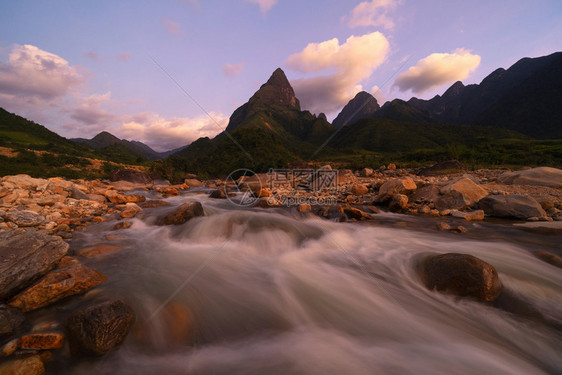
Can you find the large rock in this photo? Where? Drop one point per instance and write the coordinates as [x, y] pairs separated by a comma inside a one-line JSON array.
[[395, 186], [443, 168], [459, 194], [193, 182], [512, 206], [25, 366], [461, 275], [182, 214], [24, 257], [97, 329], [542, 176], [56, 285], [130, 176], [23, 181], [24, 218]]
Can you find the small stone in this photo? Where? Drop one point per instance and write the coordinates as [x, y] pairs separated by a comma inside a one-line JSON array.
[[398, 202], [424, 209], [153, 203], [359, 189], [183, 213], [469, 216], [9, 348], [304, 207], [122, 225], [41, 341], [443, 226], [550, 258]]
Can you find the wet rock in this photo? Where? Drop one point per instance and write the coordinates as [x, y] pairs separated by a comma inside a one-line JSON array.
[[131, 209], [25, 257], [267, 202], [461, 193], [218, 194], [443, 168], [97, 329], [67, 261], [122, 225], [443, 226], [304, 207], [25, 366], [130, 176], [193, 182], [56, 285], [398, 202], [41, 341], [359, 189], [542, 176], [153, 203], [469, 216], [357, 214], [182, 214], [10, 321], [9, 348], [115, 197], [461, 275], [92, 251], [512, 206], [24, 218], [549, 257], [403, 185]]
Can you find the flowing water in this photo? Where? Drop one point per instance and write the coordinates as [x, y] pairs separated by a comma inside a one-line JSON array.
[[251, 291]]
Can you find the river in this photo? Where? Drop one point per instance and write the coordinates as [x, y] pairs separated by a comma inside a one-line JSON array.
[[253, 291]]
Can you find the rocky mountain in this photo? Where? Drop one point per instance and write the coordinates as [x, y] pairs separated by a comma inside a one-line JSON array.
[[524, 97], [109, 142], [363, 105]]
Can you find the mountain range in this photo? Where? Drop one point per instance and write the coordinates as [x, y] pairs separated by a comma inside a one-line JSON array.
[[509, 112]]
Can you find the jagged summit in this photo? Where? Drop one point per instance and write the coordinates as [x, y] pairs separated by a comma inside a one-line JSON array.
[[276, 91], [363, 105]]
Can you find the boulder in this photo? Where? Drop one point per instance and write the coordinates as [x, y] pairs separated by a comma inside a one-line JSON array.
[[443, 168], [24, 218], [122, 225], [10, 321], [115, 197], [357, 214], [366, 172], [23, 181], [56, 285], [41, 341], [513, 206], [130, 176], [403, 185], [359, 189], [192, 182], [398, 202], [542, 176], [459, 194], [182, 214], [24, 366], [78, 194], [97, 329], [218, 194], [24, 257], [461, 275]]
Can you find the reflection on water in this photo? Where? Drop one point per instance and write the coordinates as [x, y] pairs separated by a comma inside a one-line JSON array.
[[280, 295]]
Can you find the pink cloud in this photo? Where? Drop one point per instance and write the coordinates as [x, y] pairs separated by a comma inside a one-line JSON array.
[[232, 70]]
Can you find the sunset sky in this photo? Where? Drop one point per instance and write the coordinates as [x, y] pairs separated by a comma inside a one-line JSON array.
[[80, 67]]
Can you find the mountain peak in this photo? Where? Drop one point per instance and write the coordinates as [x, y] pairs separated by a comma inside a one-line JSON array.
[[277, 90], [363, 105]]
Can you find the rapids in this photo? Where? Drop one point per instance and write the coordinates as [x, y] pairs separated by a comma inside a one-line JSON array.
[[253, 291]]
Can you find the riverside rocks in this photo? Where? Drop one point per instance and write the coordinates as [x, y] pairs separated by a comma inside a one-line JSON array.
[[56, 285], [512, 206], [461, 193], [182, 214], [542, 176], [461, 275], [395, 186], [97, 329], [26, 256]]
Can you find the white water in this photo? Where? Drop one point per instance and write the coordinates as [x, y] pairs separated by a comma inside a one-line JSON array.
[[279, 295]]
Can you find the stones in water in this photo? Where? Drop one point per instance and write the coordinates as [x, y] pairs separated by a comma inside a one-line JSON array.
[[398, 202], [549, 258], [24, 366], [57, 285], [92, 251], [122, 225], [41, 341], [182, 214], [97, 329], [461, 275], [153, 203], [24, 257]]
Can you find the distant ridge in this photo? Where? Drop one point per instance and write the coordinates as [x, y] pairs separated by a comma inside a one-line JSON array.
[[105, 140], [363, 105]]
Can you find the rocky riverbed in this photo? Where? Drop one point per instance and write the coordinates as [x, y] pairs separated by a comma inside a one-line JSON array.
[[40, 217]]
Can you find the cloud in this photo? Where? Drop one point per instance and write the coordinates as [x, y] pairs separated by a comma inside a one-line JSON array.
[[265, 5], [232, 70], [373, 13], [33, 75], [172, 26], [438, 69], [350, 63], [92, 55], [165, 134], [124, 56], [88, 112]]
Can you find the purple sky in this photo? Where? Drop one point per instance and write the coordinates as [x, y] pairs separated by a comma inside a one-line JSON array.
[[82, 67]]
